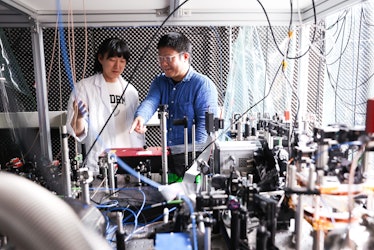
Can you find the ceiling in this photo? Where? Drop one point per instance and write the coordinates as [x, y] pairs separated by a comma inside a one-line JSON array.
[[154, 12]]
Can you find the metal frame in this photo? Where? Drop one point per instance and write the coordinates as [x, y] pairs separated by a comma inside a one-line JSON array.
[[41, 86], [17, 13]]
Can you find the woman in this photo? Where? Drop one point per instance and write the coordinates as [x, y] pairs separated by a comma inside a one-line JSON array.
[[104, 101]]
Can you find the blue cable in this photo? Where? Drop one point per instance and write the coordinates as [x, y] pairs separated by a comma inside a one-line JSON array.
[[131, 171], [161, 216], [316, 156], [193, 220], [108, 204], [137, 215], [65, 56]]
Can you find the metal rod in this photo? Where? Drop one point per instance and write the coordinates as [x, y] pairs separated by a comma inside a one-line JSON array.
[[186, 144], [240, 130], [162, 116], [86, 193], [193, 133], [318, 231], [208, 236], [66, 168], [41, 91], [112, 185], [120, 234], [299, 220], [85, 178], [235, 229]]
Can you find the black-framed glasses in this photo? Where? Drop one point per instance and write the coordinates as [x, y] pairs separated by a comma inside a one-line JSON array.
[[168, 59]]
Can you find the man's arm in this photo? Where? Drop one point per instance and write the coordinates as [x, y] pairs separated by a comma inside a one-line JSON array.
[[138, 125], [207, 101]]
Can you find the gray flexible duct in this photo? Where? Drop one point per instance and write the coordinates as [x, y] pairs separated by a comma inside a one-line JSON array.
[[34, 218]]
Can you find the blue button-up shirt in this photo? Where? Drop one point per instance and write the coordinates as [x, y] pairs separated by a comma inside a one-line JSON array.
[[191, 98]]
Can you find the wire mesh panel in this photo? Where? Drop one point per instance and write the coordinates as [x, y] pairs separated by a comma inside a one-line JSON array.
[[210, 51], [348, 54], [278, 77], [17, 60], [339, 65], [315, 80]]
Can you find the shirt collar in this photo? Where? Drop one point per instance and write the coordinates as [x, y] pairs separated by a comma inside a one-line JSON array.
[[100, 80], [188, 76]]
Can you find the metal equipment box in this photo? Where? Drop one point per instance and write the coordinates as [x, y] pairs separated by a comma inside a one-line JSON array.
[[237, 154]]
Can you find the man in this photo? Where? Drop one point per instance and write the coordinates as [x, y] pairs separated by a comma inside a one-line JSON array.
[[186, 92]]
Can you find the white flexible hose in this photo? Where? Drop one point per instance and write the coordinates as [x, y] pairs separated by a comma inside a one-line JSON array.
[[34, 218]]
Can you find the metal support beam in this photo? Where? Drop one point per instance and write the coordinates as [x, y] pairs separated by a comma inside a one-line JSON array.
[[194, 13], [41, 91], [326, 7], [173, 5]]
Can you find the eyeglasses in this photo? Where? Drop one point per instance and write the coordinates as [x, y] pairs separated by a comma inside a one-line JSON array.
[[167, 59]]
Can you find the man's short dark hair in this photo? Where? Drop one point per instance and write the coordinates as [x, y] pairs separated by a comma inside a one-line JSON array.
[[176, 41]]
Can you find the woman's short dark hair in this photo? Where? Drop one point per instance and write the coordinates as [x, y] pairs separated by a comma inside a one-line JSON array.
[[111, 47], [176, 41]]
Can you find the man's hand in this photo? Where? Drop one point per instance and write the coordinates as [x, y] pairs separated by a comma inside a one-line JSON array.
[[138, 125]]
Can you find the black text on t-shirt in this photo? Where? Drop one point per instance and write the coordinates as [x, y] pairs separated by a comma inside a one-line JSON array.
[[116, 99]]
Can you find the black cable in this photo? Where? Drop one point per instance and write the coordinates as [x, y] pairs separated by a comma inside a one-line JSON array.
[[365, 19], [289, 30], [330, 77], [346, 45], [332, 81], [357, 66], [266, 65], [271, 28], [339, 65], [348, 39], [340, 18], [133, 73], [314, 34], [245, 112], [348, 89], [320, 72], [296, 114], [273, 36], [342, 99]]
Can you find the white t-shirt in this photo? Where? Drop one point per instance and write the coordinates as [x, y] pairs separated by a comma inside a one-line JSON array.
[[119, 116], [94, 91]]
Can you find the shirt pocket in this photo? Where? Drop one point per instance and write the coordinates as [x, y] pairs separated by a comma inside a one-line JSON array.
[[185, 109]]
